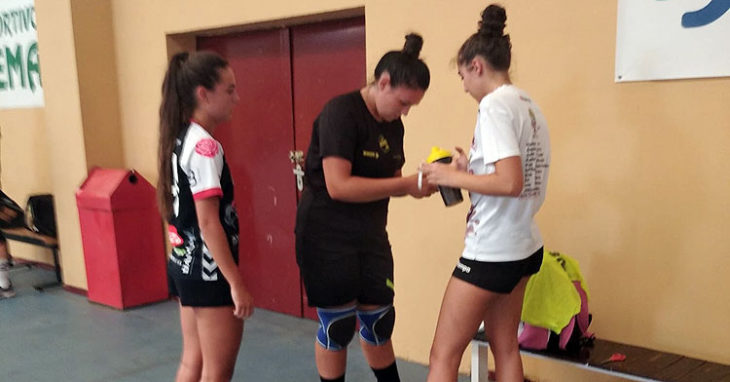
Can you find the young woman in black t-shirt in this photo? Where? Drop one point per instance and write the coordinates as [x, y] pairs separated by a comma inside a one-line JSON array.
[[353, 167], [195, 194]]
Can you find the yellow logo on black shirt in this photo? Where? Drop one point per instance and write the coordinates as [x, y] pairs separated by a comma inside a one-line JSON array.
[[384, 146], [370, 154]]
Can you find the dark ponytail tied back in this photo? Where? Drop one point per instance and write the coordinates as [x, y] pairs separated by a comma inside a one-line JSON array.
[[185, 72], [405, 67], [490, 42], [178, 60]]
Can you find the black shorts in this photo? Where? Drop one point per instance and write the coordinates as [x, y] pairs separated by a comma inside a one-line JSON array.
[[336, 272], [498, 277], [199, 293]]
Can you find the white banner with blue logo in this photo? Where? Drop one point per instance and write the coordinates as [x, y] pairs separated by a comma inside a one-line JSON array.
[[20, 74], [670, 39]]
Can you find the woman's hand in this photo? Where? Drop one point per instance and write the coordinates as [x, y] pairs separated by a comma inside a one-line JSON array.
[[461, 159], [420, 188], [441, 174], [215, 238], [242, 302]]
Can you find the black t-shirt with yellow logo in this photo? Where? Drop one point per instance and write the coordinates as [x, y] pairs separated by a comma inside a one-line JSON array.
[[346, 129]]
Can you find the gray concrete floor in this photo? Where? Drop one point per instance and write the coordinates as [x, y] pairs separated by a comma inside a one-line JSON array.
[[59, 336]]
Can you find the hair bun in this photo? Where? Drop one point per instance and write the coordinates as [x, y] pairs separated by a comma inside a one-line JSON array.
[[413, 45], [493, 21]]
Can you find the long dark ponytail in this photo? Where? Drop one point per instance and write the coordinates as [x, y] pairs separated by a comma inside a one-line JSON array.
[[185, 73]]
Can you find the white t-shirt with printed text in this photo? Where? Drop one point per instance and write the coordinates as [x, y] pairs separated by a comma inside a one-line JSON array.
[[501, 228]]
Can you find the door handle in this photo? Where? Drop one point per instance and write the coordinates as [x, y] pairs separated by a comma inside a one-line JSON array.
[[297, 158]]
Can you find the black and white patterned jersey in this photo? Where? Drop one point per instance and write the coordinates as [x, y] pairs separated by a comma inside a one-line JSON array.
[[199, 171]]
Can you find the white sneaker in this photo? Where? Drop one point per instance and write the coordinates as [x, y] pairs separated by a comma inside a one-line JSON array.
[[7, 292]]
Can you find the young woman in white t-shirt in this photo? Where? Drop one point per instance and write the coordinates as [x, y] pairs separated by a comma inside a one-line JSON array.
[[506, 175]]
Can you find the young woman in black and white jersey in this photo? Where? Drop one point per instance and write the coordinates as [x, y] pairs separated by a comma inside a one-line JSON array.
[[195, 193]]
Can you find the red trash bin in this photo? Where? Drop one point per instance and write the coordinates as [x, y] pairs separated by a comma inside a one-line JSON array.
[[121, 232]]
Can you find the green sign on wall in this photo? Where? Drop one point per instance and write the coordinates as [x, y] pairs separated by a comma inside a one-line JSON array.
[[20, 76]]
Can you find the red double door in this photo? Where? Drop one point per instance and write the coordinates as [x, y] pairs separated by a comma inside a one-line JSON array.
[[284, 77]]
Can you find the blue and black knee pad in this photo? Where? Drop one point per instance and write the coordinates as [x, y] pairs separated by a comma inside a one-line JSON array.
[[376, 326], [336, 327]]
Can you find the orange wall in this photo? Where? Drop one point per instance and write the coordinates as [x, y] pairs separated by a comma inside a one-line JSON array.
[[24, 165], [63, 128], [98, 91], [638, 176]]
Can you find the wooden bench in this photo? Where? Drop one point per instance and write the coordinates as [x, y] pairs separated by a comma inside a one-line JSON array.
[[27, 236], [641, 364]]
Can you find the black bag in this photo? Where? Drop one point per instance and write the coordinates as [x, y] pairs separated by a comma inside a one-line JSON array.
[[40, 215], [11, 215]]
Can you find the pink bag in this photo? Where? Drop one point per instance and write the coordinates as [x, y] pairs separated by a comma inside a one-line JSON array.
[[571, 338]]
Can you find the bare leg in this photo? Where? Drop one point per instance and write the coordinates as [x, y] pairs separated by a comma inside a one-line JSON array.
[[378, 357], [462, 310], [381, 356], [4, 256], [6, 286], [331, 364], [191, 361], [501, 322], [220, 333]]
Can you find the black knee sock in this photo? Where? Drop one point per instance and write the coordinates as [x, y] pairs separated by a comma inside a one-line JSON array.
[[340, 379], [389, 374]]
